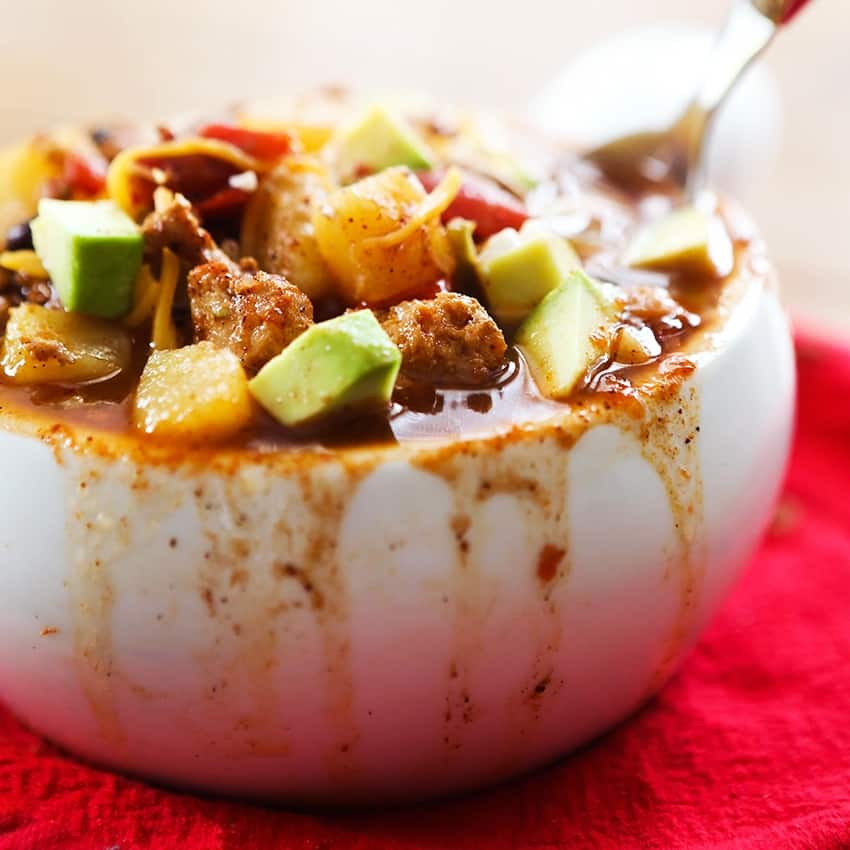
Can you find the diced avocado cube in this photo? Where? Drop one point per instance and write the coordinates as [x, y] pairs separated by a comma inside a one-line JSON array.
[[516, 174], [519, 268], [93, 252], [379, 140], [346, 362], [565, 333], [686, 240]]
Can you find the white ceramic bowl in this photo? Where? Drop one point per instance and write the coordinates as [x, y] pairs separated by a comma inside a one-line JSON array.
[[385, 624]]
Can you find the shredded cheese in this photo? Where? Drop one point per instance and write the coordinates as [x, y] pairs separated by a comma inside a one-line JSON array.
[[164, 334], [25, 262], [307, 163], [146, 297], [432, 206], [163, 197], [126, 166]]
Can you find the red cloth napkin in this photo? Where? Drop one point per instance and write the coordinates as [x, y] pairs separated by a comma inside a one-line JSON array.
[[748, 746]]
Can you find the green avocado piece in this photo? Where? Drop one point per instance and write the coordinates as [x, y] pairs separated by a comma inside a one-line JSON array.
[[346, 362], [378, 140], [93, 252], [467, 273], [561, 337], [519, 268], [686, 240], [510, 171]]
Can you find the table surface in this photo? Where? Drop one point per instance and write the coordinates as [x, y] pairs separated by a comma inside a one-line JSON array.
[[89, 58]]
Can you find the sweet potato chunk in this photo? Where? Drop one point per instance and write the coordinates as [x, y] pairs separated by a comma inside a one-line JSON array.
[[197, 391], [377, 247], [278, 227], [44, 346]]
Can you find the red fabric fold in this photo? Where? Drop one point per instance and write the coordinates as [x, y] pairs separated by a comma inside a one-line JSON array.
[[747, 747]]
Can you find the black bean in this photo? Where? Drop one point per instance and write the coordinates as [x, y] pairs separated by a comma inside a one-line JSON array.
[[19, 237], [100, 135]]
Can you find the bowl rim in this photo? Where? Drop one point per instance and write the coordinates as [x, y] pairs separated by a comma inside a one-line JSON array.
[[736, 308]]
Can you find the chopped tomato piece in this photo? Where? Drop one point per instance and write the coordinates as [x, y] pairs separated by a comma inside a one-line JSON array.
[[257, 143], [482, 201], [196, 176], [224, 203], [84, 176]]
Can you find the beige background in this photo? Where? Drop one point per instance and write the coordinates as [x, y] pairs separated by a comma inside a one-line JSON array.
[[69, 59]]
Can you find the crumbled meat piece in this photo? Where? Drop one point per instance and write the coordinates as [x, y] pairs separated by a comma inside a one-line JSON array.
[[232, 305], [254, 314], [176, 226], [449, 340], [37, 291], [17, 288]]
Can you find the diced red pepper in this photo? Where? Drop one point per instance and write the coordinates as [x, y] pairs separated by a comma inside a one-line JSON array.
[[197, 176], [482, 201], [223, 204], [84, 176], [260, 144]]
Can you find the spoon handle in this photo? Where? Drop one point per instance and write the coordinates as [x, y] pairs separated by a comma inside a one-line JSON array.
[[748, 30], [745, 35]]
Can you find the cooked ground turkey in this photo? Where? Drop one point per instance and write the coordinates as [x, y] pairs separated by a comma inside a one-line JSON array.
[[254, 314], [178, 228], [449, 340], [17, 288]]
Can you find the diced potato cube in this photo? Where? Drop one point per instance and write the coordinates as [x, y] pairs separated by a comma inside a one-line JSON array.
[[196, 391], [23, 171], [277, 229], [636, 345], [51, 346], [376, 246]]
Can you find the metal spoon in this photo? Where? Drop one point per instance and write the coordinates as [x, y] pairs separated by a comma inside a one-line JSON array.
[[677, 153]]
